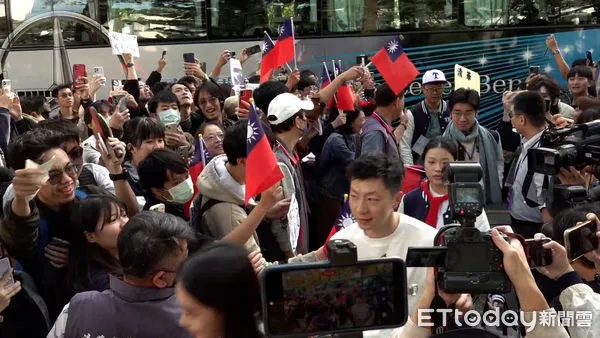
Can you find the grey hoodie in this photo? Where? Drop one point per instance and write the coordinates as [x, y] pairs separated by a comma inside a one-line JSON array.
[[216, 183]]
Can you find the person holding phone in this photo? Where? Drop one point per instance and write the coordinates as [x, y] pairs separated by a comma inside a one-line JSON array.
[[7, 290]]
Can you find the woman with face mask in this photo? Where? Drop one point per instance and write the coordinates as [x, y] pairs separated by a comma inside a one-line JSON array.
[[429, 202], [97, 222], [165, 178]]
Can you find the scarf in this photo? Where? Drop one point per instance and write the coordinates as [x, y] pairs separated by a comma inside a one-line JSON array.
[[490, 154], [434, 204]]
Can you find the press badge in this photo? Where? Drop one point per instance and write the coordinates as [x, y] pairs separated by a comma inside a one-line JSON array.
[[419, 146]]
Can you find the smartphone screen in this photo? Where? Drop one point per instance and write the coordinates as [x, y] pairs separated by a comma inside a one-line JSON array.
[[189, 57], [4, 268], [160, 207], [534, 69], [79, 71], [246, 95], [6, 86], [315, 299], [117, 85], [537, 255], [580, 240], [253, 50]]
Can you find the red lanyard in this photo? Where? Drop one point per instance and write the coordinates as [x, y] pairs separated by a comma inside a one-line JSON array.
[[383, 123], [295, 159]]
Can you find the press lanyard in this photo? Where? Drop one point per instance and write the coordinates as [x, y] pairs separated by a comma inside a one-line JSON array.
[[294, 159]]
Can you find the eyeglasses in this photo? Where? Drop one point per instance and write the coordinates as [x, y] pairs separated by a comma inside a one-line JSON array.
[[434, 89], [214, 138], [55, 175], [469, 115]]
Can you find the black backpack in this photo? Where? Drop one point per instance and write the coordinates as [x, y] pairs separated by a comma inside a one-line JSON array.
[[268, 243]]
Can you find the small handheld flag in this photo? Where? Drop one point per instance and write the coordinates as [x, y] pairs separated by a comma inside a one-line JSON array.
[[262, 171], [395, 66]]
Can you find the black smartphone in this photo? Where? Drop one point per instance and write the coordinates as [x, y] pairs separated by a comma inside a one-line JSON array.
[[189, 57], [363, 60], [232, 54], [164, 53], [534, 69], [581, 239], [61, 243], [426, 257], [253, 50], [369, 93], [537, 255], [367, 295]]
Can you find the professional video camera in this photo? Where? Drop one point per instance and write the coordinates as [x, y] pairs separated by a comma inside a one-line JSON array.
[[575, 146], [569, 196], [467, 260]]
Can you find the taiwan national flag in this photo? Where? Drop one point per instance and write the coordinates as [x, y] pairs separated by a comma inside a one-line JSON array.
[[269, 59], [344, 220], [262, 171], [197, 164], [344, 96], [395, 66], [286, 50]]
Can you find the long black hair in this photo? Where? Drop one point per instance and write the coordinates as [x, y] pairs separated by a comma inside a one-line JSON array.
[[221, 276], [87, 258]]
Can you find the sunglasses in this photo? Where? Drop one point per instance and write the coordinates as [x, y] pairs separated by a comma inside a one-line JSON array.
[[56, 175]]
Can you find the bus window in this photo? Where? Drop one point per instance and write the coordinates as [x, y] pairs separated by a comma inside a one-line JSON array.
[[159, 19], [3, 23], [21, 10], [236, 19], [369, 16], [485, 13]]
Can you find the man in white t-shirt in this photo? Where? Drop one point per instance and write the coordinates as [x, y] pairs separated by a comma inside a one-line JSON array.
[[379, 231]]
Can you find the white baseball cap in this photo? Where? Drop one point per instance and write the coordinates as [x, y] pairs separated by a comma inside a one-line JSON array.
[[434, 76], [285, 106]]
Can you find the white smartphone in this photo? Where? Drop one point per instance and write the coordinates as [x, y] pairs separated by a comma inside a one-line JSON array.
[[160, 207], [98, 71], [5, 267]]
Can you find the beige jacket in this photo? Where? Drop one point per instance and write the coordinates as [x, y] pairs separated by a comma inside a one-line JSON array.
[[216, 183]]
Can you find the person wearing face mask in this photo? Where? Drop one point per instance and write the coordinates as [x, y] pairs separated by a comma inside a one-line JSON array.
[[151, 248], [166, 179], [166, 107], [287, 117]]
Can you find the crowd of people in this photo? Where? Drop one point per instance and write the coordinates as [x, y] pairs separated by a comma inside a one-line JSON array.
[[125, 216]]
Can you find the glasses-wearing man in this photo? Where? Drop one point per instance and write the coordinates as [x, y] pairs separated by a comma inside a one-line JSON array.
[[427, 119]]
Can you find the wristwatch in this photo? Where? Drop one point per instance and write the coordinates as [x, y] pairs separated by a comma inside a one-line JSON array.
[[556, 52], [118, 177], [130, 64]]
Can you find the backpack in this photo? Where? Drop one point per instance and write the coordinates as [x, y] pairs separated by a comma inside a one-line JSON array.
[[269, 246]]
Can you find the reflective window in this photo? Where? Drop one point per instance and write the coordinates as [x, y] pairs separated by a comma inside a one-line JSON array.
[[73, 33], [368, 16], [3, 23], [159, 19], [22, 10], [233, 19]]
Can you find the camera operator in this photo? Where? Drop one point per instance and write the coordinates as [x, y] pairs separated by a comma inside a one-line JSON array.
[[584, 269], [526, 197], [517, 268], [574, 293]]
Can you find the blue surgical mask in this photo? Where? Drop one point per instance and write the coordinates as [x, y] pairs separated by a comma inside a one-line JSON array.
[[169, 116]]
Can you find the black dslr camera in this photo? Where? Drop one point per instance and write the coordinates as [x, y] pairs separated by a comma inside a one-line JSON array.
[[467, 260], [575, 146]]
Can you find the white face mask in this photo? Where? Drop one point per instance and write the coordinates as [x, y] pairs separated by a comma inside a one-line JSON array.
[[169, 116], [182, 192]]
